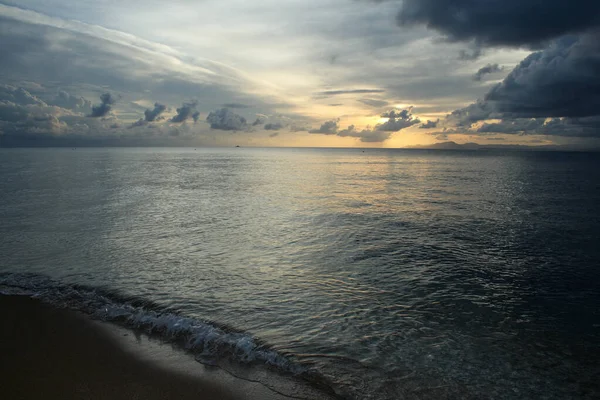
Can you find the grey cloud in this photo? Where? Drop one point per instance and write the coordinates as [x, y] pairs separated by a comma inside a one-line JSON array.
[[327, 128], [185, 112], [488, 69], [374, 102], [196, 116], [236, 105], [84, 57], [572, 127], [226, 120], [397, 120], [299, 128], [274, 126], [365, 135], [471, 54], [502, 23], [350, 91], [103, 108], [475, 112], [154, 114], [430, 124], [260, 119], [274, 134]]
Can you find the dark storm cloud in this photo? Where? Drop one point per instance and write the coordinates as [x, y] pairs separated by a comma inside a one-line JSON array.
[[103, 108], [327, 128], [561, 81], [226, 120], [185, 112], [397, 120], [154, 114], [488, 69], [502, 22], [352, 91], [429, 124]]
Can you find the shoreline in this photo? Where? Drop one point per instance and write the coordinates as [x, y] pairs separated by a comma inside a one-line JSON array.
[[54, 353]]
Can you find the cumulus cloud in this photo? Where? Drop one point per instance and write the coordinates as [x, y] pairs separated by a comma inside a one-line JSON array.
[[19, 95], [430, 124], [327, 128], [488, 69], [154, 114], [226, 120], [76, 103], [502, 23], [27, 120], [185, 112], [105, 107], [397, 120]]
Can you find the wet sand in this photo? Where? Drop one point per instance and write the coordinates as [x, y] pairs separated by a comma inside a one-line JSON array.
[[49, 353]]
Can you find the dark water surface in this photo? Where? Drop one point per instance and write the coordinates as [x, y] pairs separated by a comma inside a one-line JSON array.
[[385, 274]]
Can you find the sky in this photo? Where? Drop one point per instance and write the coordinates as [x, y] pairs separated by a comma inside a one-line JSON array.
[[331, 73]]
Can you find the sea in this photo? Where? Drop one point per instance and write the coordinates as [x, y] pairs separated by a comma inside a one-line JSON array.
[[368, 273]]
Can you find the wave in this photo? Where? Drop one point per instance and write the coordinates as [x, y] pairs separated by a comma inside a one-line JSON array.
[[208, 341]]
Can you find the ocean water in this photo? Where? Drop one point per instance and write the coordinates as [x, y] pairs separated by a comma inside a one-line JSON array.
[[377, 274]]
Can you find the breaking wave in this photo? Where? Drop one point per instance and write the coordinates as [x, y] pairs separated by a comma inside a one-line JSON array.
[[208, 341]]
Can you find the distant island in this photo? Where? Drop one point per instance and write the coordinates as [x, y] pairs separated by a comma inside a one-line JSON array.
[[450, 145]]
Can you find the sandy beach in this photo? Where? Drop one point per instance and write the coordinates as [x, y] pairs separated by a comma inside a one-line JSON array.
[[52, 353]]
